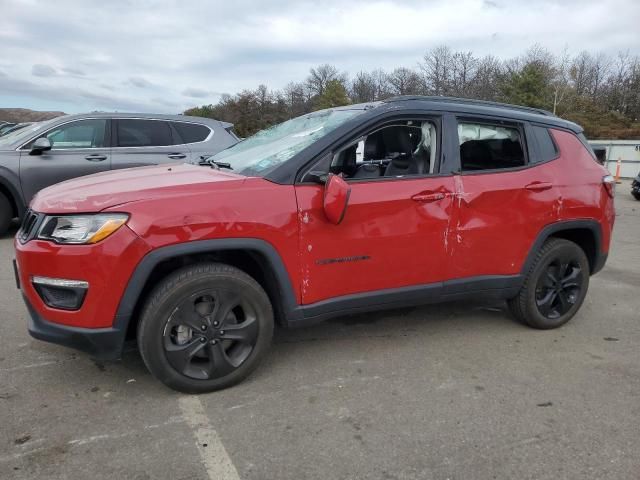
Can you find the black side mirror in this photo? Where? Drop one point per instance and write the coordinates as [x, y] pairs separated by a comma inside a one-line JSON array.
[[42, 144], [316, 177]]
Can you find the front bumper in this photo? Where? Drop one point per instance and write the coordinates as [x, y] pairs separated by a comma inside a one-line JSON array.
[[106, 267], [100, 343]]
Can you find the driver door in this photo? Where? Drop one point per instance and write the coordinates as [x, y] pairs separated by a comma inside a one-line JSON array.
[[393, 235]]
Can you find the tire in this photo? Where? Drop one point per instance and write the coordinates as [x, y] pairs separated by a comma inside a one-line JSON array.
[[636, 195], [6, 214], [554, 287], [205, 327]]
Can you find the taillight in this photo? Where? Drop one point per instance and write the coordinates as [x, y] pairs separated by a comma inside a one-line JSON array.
[[609, 185]]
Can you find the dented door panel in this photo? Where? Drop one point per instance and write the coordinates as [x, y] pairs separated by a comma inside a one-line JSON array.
[[497, 219]]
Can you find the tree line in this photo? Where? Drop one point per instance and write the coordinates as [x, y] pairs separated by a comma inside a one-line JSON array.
[[598, 91]]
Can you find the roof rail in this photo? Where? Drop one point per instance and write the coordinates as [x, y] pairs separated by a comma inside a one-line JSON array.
[[469, 101]]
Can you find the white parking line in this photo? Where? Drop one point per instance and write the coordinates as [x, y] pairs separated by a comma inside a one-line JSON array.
[[212, 452]]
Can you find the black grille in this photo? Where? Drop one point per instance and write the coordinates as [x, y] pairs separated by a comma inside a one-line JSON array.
[[29, 226]]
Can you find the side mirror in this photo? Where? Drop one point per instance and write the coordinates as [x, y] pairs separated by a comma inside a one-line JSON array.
[[336, 198], [317, 177], [42, 144]]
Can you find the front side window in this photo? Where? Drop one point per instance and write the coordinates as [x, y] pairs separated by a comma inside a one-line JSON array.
[[81, 134], [490, 147], [398, 149], [143, 133], [267, 149]]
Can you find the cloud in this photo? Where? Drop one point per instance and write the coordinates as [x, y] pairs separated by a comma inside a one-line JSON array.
[[74, 71], [490, 4], [138, 82], [39, 70], [195, 92], [71, 98], [138, 58]]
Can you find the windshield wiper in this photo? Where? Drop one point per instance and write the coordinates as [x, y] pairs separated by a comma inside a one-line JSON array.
[[206, 160], [220, 164]]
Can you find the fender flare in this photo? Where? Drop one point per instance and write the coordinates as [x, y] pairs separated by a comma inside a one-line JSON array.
[[144, 268], [588, 224]]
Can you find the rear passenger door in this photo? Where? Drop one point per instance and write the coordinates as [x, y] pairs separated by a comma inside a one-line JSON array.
[[506, 196], [139, 142]]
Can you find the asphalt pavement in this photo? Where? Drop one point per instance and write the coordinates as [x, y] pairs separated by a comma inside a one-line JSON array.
[[455, 391]]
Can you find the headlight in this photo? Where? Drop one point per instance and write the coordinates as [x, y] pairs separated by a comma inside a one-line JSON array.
[[80, 229]]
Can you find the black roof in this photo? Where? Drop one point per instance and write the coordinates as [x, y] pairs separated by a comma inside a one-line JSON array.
[[482, 107]]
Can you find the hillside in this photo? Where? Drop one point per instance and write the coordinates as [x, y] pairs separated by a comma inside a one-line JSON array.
[[26, 115]]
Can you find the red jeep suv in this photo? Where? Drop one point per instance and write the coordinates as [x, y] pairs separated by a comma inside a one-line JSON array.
[[365, 207]]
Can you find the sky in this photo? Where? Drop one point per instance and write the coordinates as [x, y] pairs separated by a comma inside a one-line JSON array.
[[165, 56]]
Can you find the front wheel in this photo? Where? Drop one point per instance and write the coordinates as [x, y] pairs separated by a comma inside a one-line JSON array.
[[205, 327], [554, 287]]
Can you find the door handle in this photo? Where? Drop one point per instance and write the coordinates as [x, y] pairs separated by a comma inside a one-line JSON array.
[[177, 156], [96, 157], [428, 196], [538, 186]]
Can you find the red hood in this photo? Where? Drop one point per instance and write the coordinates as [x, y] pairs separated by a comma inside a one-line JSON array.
[[94, 193]]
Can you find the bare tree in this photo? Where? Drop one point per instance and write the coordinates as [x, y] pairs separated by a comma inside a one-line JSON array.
[[363, 88], [560, 81], [486, 79], [320, 77], [383, 87], [296, 98], [463, 72], [436, 70], [404, 81]]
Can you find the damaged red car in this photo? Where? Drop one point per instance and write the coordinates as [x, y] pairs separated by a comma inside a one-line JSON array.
[[366, 207]]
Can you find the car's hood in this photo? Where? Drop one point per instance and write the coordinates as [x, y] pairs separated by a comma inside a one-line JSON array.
[[109, 189]]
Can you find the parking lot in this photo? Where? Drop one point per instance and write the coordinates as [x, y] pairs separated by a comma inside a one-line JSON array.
[[455, 391]]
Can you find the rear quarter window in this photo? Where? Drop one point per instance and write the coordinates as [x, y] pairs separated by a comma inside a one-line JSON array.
[[547, 149], [191, 132]]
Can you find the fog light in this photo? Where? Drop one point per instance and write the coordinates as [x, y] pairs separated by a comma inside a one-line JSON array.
[[60, 293]]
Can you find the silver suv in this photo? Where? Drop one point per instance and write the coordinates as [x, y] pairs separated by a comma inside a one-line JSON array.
[[75, 145]]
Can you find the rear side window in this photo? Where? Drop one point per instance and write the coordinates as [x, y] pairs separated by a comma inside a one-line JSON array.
[[143, 133], [547, 149], [490, 147], [191, 132]]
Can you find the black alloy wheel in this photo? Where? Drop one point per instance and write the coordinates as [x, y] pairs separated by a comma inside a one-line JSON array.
[[205, 327], [210, 334], [554, 286], [559, 288]]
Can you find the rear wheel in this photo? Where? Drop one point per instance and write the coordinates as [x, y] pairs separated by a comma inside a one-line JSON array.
[[205, 327], [555, 286], [6, 214]]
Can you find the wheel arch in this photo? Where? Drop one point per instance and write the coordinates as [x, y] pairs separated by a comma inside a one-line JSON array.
[[255, 257], [9, 190], [587, 234]]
